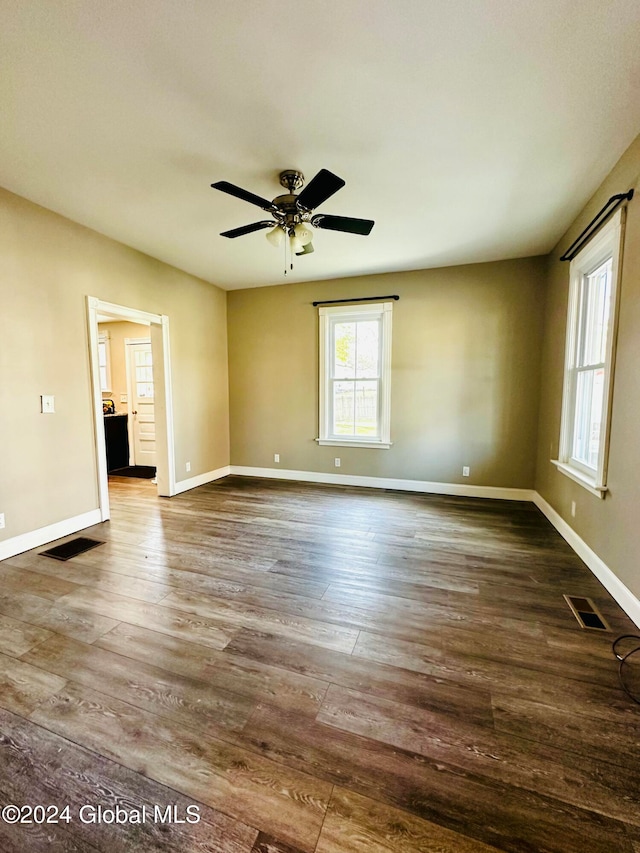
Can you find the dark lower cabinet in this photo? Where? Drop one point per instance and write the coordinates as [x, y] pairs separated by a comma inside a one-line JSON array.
[[117, 441]]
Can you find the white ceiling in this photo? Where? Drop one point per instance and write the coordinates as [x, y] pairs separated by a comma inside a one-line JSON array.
[[470, 130]]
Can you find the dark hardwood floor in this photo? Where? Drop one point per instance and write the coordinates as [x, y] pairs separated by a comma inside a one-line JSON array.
[[320, 670]]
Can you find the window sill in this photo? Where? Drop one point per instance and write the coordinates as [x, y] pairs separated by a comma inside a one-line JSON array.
[[580, 478], [343, 442]]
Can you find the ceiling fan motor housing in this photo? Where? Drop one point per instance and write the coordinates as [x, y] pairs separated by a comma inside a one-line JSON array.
[[288, 214]]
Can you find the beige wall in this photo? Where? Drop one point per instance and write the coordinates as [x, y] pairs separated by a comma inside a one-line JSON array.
[[611, 527], [47, 267], [118, 332], [466, 343]]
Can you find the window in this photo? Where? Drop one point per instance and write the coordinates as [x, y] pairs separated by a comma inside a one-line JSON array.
[[143, 366], [104, 361], [589, 359], [355, 375]]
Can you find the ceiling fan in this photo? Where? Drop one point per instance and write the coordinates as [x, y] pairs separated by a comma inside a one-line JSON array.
[[292, 214]]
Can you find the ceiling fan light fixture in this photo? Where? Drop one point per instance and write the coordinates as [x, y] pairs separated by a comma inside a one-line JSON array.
[[303, 232], [306, 249], [297, 245], [275, 236]]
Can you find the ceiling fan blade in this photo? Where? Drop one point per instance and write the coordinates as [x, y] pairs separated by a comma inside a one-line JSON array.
[[245, 195], [343, 223], [319, 189], [247, 229]]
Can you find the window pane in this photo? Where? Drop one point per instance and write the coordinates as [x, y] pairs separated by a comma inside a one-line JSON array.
[[142, 357], [366, 408], [103, 363], [144, 389], [344, 408], [367, 349], [588, 417], [595, 315], [344, 350], [144, 374]]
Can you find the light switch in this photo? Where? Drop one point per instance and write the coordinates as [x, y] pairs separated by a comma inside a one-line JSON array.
[[47, 404]]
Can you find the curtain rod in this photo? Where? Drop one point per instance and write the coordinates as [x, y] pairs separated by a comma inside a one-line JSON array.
[[592, 227], [359, 299]]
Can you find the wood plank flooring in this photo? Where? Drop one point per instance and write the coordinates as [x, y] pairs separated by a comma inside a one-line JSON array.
[[319, 670]]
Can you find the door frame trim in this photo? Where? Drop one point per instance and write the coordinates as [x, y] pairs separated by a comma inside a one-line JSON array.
[[159, 334]]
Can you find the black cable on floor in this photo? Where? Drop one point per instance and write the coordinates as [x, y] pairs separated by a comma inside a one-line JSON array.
[[623, 658]]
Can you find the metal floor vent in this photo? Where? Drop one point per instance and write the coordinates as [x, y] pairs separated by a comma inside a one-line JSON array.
[[71, 548], [586, 613]]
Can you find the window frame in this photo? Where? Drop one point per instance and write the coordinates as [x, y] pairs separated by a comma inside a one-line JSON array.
[[605, 245], [329, 316]]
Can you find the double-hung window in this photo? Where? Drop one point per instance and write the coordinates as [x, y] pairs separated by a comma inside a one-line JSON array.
[[355, 375], [104, 361], [589, 358]]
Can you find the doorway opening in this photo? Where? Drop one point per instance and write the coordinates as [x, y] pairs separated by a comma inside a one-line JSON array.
[[131, 383]]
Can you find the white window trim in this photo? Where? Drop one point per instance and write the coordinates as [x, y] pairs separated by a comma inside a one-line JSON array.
[[607, 243], [344, 442], [379, 309]]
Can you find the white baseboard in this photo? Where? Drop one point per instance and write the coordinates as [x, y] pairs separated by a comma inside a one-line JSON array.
[[44, 535], [609, 580], [201, 479], [459, 489]]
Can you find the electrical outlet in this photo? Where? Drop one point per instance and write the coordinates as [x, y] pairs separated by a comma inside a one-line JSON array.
[[573, 509], [1, 520], [465, 471], [188, 466], [336, 461], [276, 457], [47, 404]]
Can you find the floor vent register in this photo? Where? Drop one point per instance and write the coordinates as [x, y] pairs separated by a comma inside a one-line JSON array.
[[587, 613]]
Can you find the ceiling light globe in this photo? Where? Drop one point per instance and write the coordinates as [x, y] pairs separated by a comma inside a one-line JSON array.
[[303, 232], [275, 236], [296, 244]]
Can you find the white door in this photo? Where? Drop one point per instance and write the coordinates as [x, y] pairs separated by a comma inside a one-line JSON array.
[[141, 409]]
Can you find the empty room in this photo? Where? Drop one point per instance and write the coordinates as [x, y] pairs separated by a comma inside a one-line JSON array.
[[319, 447]]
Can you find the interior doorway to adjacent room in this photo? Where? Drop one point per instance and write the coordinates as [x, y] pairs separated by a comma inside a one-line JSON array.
[[139, 406]]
